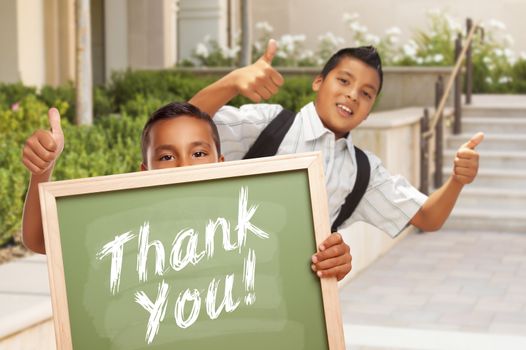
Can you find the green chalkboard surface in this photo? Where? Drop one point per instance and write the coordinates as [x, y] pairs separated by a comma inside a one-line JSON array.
[[183, 259]]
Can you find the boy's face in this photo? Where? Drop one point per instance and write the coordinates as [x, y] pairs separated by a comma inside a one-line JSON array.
[[346, 95], [179, 142]]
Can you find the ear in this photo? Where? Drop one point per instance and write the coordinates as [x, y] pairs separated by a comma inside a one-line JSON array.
[[316, 83], [143, 167], [221, 159]]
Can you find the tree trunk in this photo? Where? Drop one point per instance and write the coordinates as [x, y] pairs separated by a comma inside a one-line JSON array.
[[84, 77], [246, 32]]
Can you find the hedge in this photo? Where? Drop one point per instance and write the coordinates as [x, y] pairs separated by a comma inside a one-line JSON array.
[[111, 145]]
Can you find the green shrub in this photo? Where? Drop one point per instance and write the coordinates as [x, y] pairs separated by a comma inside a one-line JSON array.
[[15, 127], [110, 146], [519, 76], [168, 85]]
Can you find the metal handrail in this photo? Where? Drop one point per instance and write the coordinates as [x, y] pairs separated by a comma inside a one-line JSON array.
[[434, 120]]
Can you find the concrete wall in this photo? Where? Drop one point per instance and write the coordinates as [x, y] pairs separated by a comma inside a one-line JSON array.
[[198, 19], [9, 71], [394, 136], [151, 35], [311, 17]]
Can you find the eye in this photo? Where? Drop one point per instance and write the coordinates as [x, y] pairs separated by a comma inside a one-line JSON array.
[[166, 157], [199, 154], [343, 81], [368, 95]]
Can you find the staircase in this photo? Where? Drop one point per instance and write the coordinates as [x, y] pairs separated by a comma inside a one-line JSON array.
[[496, 200]]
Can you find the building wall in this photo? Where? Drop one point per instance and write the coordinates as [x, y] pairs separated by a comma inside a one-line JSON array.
[[198, 19], [30, 29], [151, 34], [116, 35], [9, 71], [312, 17]]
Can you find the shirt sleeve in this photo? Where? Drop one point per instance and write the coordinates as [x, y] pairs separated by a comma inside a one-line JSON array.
[[389, 203], [240, 127]]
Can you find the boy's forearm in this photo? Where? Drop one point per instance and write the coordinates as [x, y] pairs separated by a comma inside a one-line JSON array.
[[32, 231], [438, 206], [213, 97]]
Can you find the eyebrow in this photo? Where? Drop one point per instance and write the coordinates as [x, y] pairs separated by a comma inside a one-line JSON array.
[[192, 144], [346, 72]]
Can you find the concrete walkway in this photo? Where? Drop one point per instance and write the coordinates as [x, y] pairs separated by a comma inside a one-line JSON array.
[[447, 290]]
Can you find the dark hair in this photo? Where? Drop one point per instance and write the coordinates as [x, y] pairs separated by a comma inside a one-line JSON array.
[[174, 110], [366, 54]]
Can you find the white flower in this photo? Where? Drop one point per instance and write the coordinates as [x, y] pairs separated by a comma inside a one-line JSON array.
[[349, 17], [393, 31], [495, 24], [306, 54], [504, 80], [508, 39], [453, 24], [410, 49], [393, 39], [486, 60], [419, 60], [438, 58], [498, 52], [300, 38], [201, 50], [357, 27], [265, 27], [331, 38], [372, 39], [508, 53], [489, 80], [230, 52]]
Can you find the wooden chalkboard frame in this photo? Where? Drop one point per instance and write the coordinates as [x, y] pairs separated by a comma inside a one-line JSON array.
[[49, 192]]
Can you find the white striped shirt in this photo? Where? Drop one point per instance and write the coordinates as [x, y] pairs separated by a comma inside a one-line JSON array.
[[389, 202]]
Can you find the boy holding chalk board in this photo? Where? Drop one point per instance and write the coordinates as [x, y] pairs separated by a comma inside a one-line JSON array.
[[346, 90], [177, 134]]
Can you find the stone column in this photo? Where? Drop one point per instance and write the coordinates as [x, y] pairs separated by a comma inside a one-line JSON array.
[[198, 19]]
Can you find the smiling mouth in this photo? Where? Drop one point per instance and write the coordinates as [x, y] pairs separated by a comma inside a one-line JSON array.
[[344, 110]]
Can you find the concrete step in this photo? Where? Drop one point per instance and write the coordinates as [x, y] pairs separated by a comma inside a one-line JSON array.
[[487, 220], [496, 178], [490, 159], [492, 141], [493, 111], [492, 198], [494, 125]]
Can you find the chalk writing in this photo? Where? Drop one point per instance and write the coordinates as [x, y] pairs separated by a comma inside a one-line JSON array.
[[185, 252]]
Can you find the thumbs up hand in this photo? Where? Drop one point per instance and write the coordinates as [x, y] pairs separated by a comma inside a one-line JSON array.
[[466, 163], [260, 81], [43, 147]]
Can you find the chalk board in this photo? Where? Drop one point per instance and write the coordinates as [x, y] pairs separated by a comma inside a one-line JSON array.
[[202, 257]]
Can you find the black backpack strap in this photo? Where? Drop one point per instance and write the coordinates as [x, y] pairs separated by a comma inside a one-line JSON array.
[[360, 186], [268, 141]]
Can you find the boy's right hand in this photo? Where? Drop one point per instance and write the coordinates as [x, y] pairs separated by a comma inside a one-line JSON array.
[[260, 81], [43, 147]]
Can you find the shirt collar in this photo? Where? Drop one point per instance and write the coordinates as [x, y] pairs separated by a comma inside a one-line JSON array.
[[314, 128]]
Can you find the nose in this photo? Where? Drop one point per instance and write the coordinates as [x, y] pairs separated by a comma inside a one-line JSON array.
[[352, 94], [184, 161]]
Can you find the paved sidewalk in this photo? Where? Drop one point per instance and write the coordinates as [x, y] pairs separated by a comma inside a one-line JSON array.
[[451, 289]]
